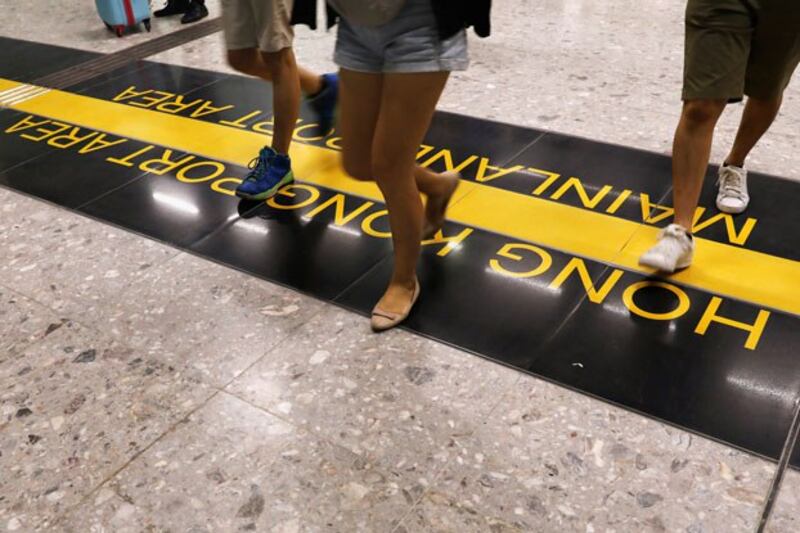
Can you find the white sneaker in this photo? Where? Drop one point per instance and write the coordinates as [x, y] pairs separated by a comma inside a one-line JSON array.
[[673, 251], [732, 196]]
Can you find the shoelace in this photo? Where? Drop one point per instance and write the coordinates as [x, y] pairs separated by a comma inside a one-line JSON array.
[[730, 183], [257, 167]]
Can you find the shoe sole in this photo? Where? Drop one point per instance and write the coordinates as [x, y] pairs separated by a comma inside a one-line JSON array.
[[266, 195], [661, 268], [732, 211], [198, 19]]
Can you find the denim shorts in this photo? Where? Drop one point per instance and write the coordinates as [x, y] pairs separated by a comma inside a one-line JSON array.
[[408, 43]]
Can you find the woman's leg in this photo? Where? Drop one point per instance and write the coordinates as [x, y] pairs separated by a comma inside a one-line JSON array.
[[407, 105], [359, 105], [439, 188], [360, 102]]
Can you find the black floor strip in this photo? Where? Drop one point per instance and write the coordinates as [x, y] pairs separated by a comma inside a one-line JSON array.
[[480, 295], [89, 69]]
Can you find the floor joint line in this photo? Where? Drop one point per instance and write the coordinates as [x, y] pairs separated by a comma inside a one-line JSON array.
[[780, 472]]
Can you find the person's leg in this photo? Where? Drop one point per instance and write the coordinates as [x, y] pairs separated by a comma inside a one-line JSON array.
[[282, 70], [690, 153], [272, 168], [407, 105], [310, 82], [717, 45], [758, 116], [773, 58], [759, 113], [439, 189], [359, 106], [321, 90], [249, 62], [259, 37]]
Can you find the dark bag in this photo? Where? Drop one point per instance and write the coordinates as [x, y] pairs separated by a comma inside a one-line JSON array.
[[451, 15]]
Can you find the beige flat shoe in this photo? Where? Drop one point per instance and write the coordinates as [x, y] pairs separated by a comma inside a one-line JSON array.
[[383, 320], [441, 205]]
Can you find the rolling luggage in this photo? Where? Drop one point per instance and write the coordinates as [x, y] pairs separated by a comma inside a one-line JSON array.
[[122, 14]]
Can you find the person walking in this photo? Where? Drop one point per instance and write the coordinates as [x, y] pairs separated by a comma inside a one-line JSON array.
[[733, 48], [395, 57], [259, 38]]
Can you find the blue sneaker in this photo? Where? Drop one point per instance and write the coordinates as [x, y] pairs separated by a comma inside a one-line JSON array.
[[269, 172], [324, 102]]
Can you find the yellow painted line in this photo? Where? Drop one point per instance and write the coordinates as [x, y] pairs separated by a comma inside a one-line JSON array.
[[8, 84], [719, 268]]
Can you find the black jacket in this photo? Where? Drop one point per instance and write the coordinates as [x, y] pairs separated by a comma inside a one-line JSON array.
[[451, 15]]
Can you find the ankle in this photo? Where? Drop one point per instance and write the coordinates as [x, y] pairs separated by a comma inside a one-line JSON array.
[[405, 284], [281, 161], [731, 161], [685, 227], [319, 87]]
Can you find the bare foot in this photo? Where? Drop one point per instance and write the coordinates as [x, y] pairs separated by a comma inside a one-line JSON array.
[[436, 206]]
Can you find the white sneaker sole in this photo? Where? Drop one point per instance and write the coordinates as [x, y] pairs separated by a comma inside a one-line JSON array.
[[660, 266], [732, 210]]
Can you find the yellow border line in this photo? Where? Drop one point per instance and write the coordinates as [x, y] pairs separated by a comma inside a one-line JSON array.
[[723, 269]]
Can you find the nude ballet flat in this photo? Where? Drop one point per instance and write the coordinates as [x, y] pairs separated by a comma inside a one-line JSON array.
[[383, 320]]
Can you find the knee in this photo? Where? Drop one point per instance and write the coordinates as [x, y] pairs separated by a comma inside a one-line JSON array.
[[278, 62], [242, 62], [384, 165], [357, 168], [701, 112], [768, 105]]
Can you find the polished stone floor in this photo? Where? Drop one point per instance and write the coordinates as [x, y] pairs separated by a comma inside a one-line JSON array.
[[214, 401]]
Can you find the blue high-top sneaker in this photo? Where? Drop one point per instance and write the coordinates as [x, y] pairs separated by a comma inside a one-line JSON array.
[[324, 102], [269, 172]]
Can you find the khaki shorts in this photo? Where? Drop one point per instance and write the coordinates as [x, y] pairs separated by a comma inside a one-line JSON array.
[[738, 47], [262, 24]]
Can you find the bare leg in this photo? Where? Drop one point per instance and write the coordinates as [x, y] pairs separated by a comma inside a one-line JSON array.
[[371, 148], [282, 70], [407, 105], [429, 182], [439, 188], [758, 116], [360, 104], [690, 152], [248, 61]]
